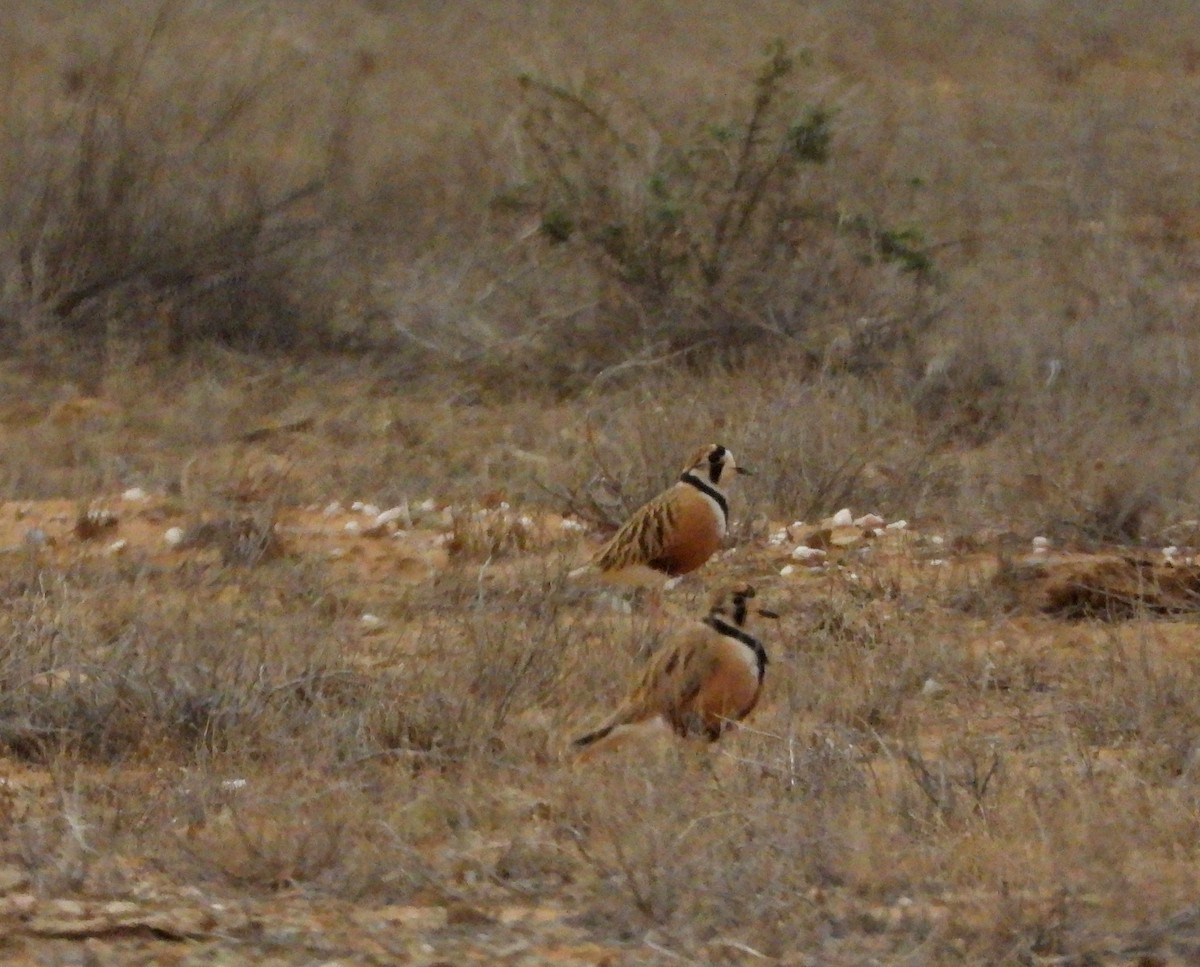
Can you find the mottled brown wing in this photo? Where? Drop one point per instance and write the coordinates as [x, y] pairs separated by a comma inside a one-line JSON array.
[[679, 675], [641, 539]]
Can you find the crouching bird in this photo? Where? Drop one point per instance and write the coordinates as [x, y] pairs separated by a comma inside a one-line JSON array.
[[706, 677]]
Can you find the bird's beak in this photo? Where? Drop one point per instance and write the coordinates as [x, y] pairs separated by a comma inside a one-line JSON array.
[[748, 473], [769, 614]]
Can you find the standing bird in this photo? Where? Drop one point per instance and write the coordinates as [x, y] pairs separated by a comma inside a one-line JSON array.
[[707, 677], [675, 532]]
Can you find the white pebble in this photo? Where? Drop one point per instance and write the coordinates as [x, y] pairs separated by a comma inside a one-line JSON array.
[[369, 510], [937, 562], [806, 553], [1041, 543], [427, 506], [779, 537], [173, 537], [352, 527], [932, 687], [937, 539], [843, 518], [787, 569], [570, 524], [897, 525], [333, 508], [134, 493], [371, 622], [117, 546], [387, 516], [525, 521], [356, 506], [1171, 551], [671, 584], [869, 521]]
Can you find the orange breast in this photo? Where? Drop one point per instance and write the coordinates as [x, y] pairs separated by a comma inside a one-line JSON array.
[[728, 694], [694, 538]]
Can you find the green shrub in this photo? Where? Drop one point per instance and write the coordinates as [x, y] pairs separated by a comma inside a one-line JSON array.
[[709, 235]]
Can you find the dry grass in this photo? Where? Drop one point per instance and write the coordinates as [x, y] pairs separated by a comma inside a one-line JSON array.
[[256, 261]]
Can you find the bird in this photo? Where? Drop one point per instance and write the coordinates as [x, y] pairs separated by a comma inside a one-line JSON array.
[[675, 532], [705, 677]]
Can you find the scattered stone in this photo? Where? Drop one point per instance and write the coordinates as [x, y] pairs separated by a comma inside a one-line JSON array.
[[897, 525], [36, 537], [173, 537], [808, 554], [134, 494], [869, 522], [392, 515], [843, 518], [370, 622]]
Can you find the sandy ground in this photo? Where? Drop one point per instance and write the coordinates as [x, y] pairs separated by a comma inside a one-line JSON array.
[[371, 550]]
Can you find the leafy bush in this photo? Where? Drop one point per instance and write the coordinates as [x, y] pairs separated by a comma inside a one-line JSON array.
[[711, 237]]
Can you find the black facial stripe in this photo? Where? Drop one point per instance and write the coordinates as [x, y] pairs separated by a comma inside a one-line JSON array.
[[747, 639], [739, 610], [716, 464], [705, 488]]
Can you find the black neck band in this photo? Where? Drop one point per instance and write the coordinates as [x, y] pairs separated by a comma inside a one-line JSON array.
[[706, 488], [747, 639]]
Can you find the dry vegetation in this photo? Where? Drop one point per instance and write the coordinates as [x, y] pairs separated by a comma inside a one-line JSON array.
[[501, 265]]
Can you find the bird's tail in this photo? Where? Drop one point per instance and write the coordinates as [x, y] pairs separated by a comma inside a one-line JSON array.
[[601, 733], [625, 715]]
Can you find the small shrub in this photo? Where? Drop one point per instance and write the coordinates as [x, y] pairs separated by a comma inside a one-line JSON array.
[[698, 236], [136, 219]]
